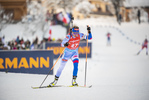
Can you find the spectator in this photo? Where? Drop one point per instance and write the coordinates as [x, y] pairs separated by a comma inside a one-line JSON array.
[[119, 18], [17, 40], [3, 40], [139, 15], [27, 45], [1, 44]]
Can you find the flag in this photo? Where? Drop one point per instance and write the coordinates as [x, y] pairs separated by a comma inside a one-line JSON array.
[[66, 18]]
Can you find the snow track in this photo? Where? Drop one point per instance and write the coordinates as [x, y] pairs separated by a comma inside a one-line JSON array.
[[114, 72]]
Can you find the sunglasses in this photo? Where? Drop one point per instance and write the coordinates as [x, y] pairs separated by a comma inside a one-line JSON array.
[[75, 33]]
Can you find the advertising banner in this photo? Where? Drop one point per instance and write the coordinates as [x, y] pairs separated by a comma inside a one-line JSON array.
[[57, 49], [34, 62]]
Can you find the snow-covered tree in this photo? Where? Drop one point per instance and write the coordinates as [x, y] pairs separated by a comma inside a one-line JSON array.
[[5, 18], [133, 15], [35, 18], [117, 4], [85, 7], [67, 5]]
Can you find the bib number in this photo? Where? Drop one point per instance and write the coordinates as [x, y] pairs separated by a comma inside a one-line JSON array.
[[74, 45]]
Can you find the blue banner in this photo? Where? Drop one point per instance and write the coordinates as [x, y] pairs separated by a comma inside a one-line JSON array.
[[57, 49], [34, 62]]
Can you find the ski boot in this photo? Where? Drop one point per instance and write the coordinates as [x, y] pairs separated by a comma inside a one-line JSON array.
[[74, 83], [54, 82]]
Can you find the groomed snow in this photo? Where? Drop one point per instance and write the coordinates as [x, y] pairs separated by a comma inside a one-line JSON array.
[[115, 72]]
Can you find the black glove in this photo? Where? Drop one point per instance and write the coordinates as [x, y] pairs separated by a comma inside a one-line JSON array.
[[70, 30], [89, 29], [66, 44]]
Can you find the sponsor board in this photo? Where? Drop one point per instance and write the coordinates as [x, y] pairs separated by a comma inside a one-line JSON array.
[[82, 49], [34, 62]]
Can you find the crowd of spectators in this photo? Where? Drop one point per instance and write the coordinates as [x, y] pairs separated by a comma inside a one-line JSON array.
[[20, 44]]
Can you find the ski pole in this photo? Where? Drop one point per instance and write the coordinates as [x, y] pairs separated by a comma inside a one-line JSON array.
[[52, 67], [86, 59], [71, 24]]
